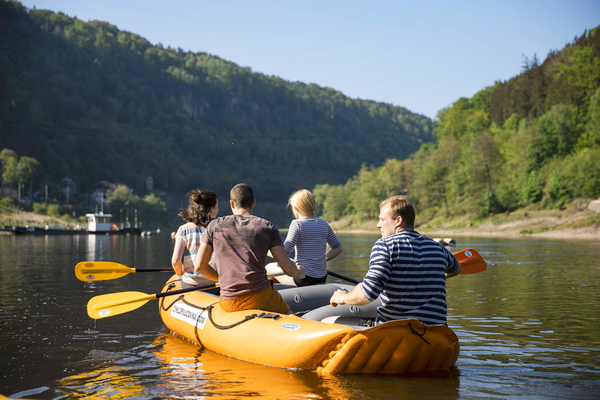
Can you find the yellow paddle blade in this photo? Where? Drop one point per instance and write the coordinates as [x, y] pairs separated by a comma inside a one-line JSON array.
[[109, 305], [470, 261], [101, 270]]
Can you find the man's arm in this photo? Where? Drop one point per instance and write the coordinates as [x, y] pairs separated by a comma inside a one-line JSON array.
[[356, 297], [287, 265], [452, 262], [201, 262]]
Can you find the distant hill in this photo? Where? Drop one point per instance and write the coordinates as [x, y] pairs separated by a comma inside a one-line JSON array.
[[530, 142], [92, 102]]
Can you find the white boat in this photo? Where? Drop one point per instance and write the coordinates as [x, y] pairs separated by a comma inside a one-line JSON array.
[[99, 223]]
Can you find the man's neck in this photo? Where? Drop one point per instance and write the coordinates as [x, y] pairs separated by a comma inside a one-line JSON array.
[[401, 228], [243, 212]]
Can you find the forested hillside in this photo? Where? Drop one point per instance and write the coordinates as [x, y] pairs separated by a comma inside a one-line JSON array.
[[92, 102], [533, 140]]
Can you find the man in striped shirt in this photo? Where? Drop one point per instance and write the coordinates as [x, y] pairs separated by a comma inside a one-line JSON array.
[[408, 270]]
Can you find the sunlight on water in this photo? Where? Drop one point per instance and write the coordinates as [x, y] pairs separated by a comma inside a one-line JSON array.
[[528, 327]]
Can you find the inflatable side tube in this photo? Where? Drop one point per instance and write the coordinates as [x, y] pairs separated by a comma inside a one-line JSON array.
[[307, 298], [366, 311]]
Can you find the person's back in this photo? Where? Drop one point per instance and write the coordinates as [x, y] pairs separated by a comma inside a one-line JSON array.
[[203, 206], [309, 237], [190, 234], [240, 245], [409, 270]]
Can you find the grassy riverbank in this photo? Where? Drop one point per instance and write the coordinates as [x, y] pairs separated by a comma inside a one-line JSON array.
[[573, 221], [24, 218]]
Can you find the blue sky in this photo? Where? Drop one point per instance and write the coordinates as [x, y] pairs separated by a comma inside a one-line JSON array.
[[422, 55]]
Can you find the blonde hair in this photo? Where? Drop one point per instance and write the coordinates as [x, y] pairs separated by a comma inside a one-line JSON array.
[[303, 202], [400, 207]]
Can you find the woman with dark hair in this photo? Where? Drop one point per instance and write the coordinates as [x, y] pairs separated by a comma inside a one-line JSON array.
[[202, 208]]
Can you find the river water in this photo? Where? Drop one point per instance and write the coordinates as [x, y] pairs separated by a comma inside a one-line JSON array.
[[529, 328]]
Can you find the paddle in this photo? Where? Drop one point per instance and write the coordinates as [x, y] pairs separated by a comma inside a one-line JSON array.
[[470, 263], [343, 277], [106, 270], [109, 305]]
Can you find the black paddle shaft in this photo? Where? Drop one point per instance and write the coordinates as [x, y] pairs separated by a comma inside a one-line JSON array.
[[343, 277], [153, 270], [174, 292]]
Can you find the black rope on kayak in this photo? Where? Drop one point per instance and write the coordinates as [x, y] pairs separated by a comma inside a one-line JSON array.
[[246, 319], [162, 301], [209, 310], [417, 333], [225, 327]]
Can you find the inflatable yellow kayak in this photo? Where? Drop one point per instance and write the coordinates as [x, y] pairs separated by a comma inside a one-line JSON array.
[[291, 341]]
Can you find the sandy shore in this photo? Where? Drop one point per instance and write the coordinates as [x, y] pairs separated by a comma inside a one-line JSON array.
[[571, 223]]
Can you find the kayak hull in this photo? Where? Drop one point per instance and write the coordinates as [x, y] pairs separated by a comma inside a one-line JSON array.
[[289, 341]]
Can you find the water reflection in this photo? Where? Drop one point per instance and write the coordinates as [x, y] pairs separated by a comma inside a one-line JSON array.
[[192, 370], [528, 328]]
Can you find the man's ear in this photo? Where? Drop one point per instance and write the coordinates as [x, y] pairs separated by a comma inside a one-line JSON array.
[[398, 223], [254, 203], [232, 204]]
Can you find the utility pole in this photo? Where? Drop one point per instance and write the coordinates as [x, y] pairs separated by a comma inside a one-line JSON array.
[[18, 203]]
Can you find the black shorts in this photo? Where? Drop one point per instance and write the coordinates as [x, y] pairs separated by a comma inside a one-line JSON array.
[[309, 280]]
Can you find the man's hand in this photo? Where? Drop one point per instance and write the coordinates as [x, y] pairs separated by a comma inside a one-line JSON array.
[[301, 272], [355, 297], [339, 297]]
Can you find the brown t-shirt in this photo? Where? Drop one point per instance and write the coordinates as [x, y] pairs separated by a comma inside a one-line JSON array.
[[240, 246]]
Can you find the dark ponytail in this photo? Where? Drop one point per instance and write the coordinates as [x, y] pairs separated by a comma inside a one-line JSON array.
[[200, 203]]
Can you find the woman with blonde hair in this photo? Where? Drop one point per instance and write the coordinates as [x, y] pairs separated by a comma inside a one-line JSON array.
[[309, 236]]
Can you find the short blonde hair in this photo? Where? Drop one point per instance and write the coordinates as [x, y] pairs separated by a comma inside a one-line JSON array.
[[400, 207], [303, 202]]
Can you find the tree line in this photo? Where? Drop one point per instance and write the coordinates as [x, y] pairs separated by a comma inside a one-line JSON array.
[[22, 171], [93, 102], [533, 140]]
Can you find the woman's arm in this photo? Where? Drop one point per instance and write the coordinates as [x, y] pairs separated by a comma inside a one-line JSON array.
[[334, 244], [178, 250], [333, 253], [292, 237]]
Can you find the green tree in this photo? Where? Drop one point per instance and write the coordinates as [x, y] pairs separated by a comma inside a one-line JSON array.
[[121, 197], [28, 169], [153, 211]]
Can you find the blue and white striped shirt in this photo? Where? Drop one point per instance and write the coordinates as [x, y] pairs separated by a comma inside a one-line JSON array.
[[408, 270], [310, 236], [190, 233]]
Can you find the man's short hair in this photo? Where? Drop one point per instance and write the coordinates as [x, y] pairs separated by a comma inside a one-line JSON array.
[[400, 207], [242, 196]]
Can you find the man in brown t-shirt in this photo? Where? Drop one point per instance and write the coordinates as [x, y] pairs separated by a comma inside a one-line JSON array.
[[240, 243]]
